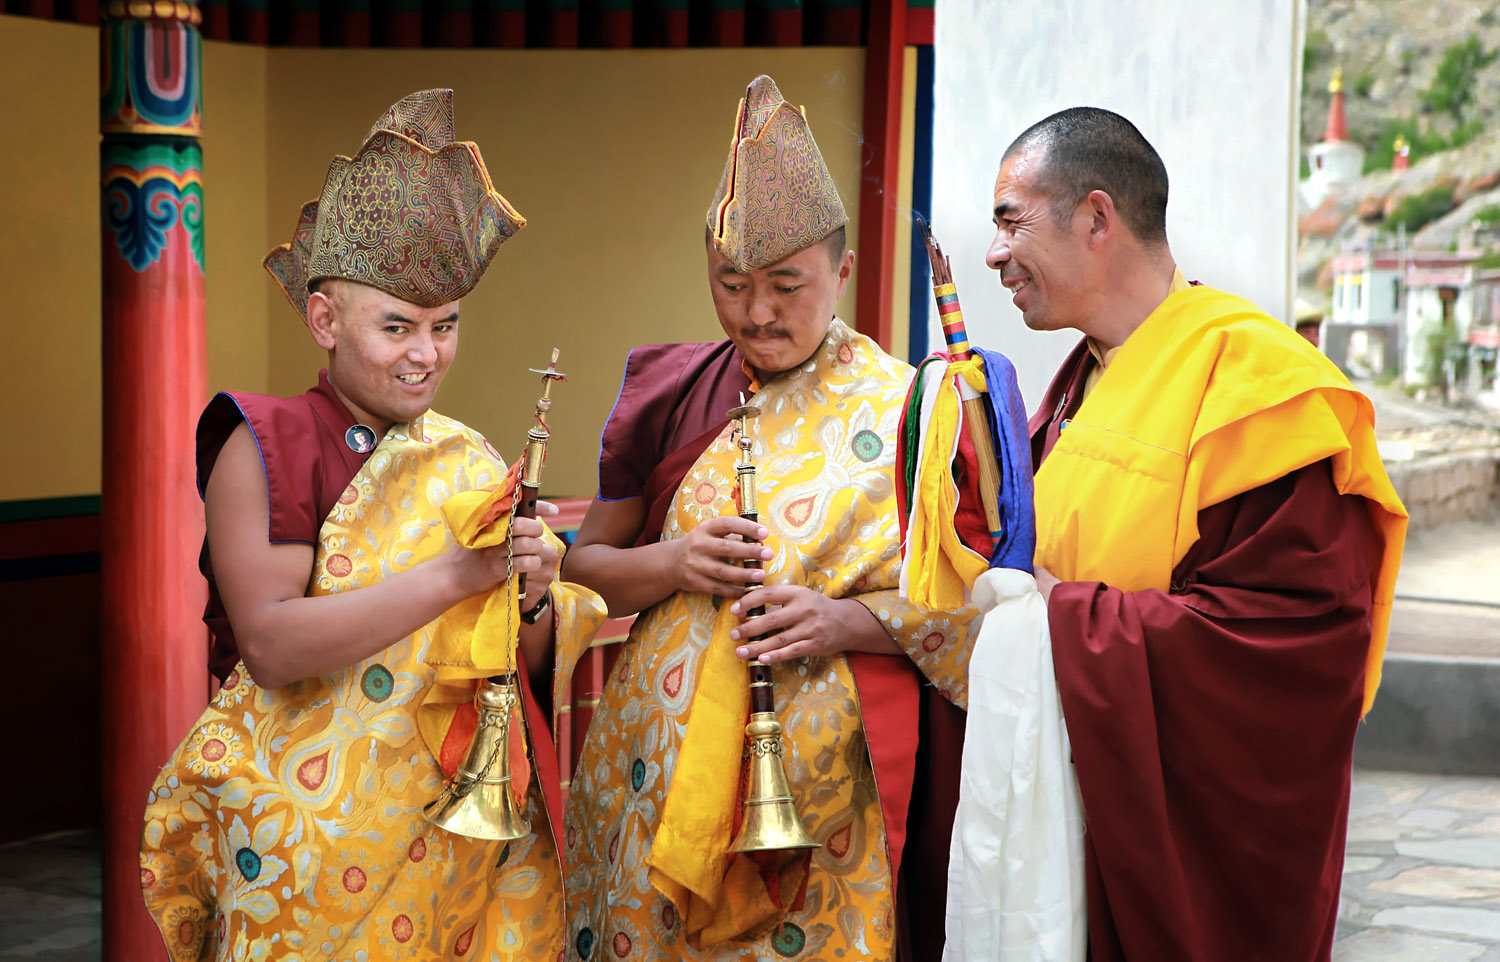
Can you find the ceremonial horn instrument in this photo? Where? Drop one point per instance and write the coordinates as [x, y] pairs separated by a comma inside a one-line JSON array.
[[770, 821], [477, 801], [951, 316]]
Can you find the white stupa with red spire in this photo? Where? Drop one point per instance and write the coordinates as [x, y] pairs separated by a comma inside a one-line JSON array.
[[1334, 161], [1401, 154]]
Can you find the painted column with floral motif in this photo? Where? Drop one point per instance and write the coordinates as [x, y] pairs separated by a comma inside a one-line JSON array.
[[153, 644]]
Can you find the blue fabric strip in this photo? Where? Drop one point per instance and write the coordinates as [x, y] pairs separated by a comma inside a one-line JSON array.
[[1016, 547]]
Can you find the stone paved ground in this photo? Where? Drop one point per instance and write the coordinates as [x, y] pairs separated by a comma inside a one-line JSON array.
[[49, 899], [1421, 879], [1421, 870]]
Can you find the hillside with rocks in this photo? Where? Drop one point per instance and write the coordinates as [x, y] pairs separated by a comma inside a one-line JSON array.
[[1391, 52]]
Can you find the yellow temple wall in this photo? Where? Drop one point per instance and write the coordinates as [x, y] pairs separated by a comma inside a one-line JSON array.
[[611, 155], [49, 258]]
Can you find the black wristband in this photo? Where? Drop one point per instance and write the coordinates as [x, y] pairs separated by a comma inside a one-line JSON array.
[[535, 614]]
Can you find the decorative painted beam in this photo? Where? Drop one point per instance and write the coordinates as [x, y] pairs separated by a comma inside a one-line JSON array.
[[616, 24], [726, 24], [778, 22], [919, 23], [506, 26], [455, 23], [920, 291], [403, 23], [153, 645], [841, 22], [885, 63], [669, 24], [354, 23], [562, 24]]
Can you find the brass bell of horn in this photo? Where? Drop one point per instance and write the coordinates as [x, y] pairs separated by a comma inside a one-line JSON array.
[[477, 801], [771, 822]]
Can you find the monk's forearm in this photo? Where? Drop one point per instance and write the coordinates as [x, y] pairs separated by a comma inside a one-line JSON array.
[[629, 580], [537, 651], [286, 641], [865, 632]]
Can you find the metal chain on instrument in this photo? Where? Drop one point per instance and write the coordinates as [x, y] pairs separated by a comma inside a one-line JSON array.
[[477, 801]]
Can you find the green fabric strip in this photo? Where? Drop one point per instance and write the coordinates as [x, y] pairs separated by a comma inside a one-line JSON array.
[[40, 509]]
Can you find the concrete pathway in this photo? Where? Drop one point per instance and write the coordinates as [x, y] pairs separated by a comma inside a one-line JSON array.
[[1456, 562], [1421, 879]]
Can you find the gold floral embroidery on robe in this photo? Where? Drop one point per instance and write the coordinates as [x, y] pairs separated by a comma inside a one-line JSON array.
[[289, 824], [826, 442]]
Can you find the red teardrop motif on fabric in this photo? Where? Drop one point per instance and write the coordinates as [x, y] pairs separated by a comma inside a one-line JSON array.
[[838, 842], [310, 774], [672, 683], [799, 511]]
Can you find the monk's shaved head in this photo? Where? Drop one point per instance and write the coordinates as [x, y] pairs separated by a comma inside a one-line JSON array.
[[1084, 149]]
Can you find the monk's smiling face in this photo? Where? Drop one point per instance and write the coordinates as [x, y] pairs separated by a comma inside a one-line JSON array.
[[778, 315], [386, 357], [1041, 251]]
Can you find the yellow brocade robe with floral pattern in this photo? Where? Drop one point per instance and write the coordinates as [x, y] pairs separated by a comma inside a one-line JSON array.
[[825, 447], [289, 823]]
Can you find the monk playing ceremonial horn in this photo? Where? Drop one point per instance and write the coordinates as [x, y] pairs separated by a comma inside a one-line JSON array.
[[655, 804], [354, 540]]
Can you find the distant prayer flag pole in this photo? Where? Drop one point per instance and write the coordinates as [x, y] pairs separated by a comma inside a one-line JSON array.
[[153, 644]]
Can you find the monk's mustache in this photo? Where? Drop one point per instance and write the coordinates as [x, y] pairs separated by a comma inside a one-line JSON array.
[[754, 332]]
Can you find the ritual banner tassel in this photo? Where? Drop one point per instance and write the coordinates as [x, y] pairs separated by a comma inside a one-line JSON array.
[[951, 317]]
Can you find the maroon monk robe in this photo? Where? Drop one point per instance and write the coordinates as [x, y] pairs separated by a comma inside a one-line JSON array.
[[1213, 725], [671, 406], [308, 466]]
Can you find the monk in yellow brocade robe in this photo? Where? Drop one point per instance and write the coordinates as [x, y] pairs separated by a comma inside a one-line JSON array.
[[654, 800], [289, 824]]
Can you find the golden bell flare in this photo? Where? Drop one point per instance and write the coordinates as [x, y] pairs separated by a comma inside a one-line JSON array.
[[477, 801]]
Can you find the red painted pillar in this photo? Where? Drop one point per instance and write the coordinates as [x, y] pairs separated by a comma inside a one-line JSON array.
[[153, 645], [885, 63]]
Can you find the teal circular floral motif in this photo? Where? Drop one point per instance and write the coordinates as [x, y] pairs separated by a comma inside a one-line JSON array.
[[377, 683], [585, 942], [788, 940], [866, 445], [248, 863], [637, 774]]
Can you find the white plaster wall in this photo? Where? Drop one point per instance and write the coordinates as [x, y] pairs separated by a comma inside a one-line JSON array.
[[1211, 83]]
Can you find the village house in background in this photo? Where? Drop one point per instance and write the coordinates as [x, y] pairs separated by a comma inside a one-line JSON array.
[[1423, 308]]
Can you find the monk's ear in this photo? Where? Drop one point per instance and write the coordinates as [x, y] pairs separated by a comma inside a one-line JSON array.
[[322, 320], [1103, 218], [845, 272]]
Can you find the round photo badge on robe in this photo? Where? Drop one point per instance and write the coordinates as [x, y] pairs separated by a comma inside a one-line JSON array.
[[360, 438]]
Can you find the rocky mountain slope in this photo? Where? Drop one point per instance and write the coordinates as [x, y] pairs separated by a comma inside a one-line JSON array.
[[1390, 52]]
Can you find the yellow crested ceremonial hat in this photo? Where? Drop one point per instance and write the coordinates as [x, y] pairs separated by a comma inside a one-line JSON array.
[[412, 213], [776, 196]]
